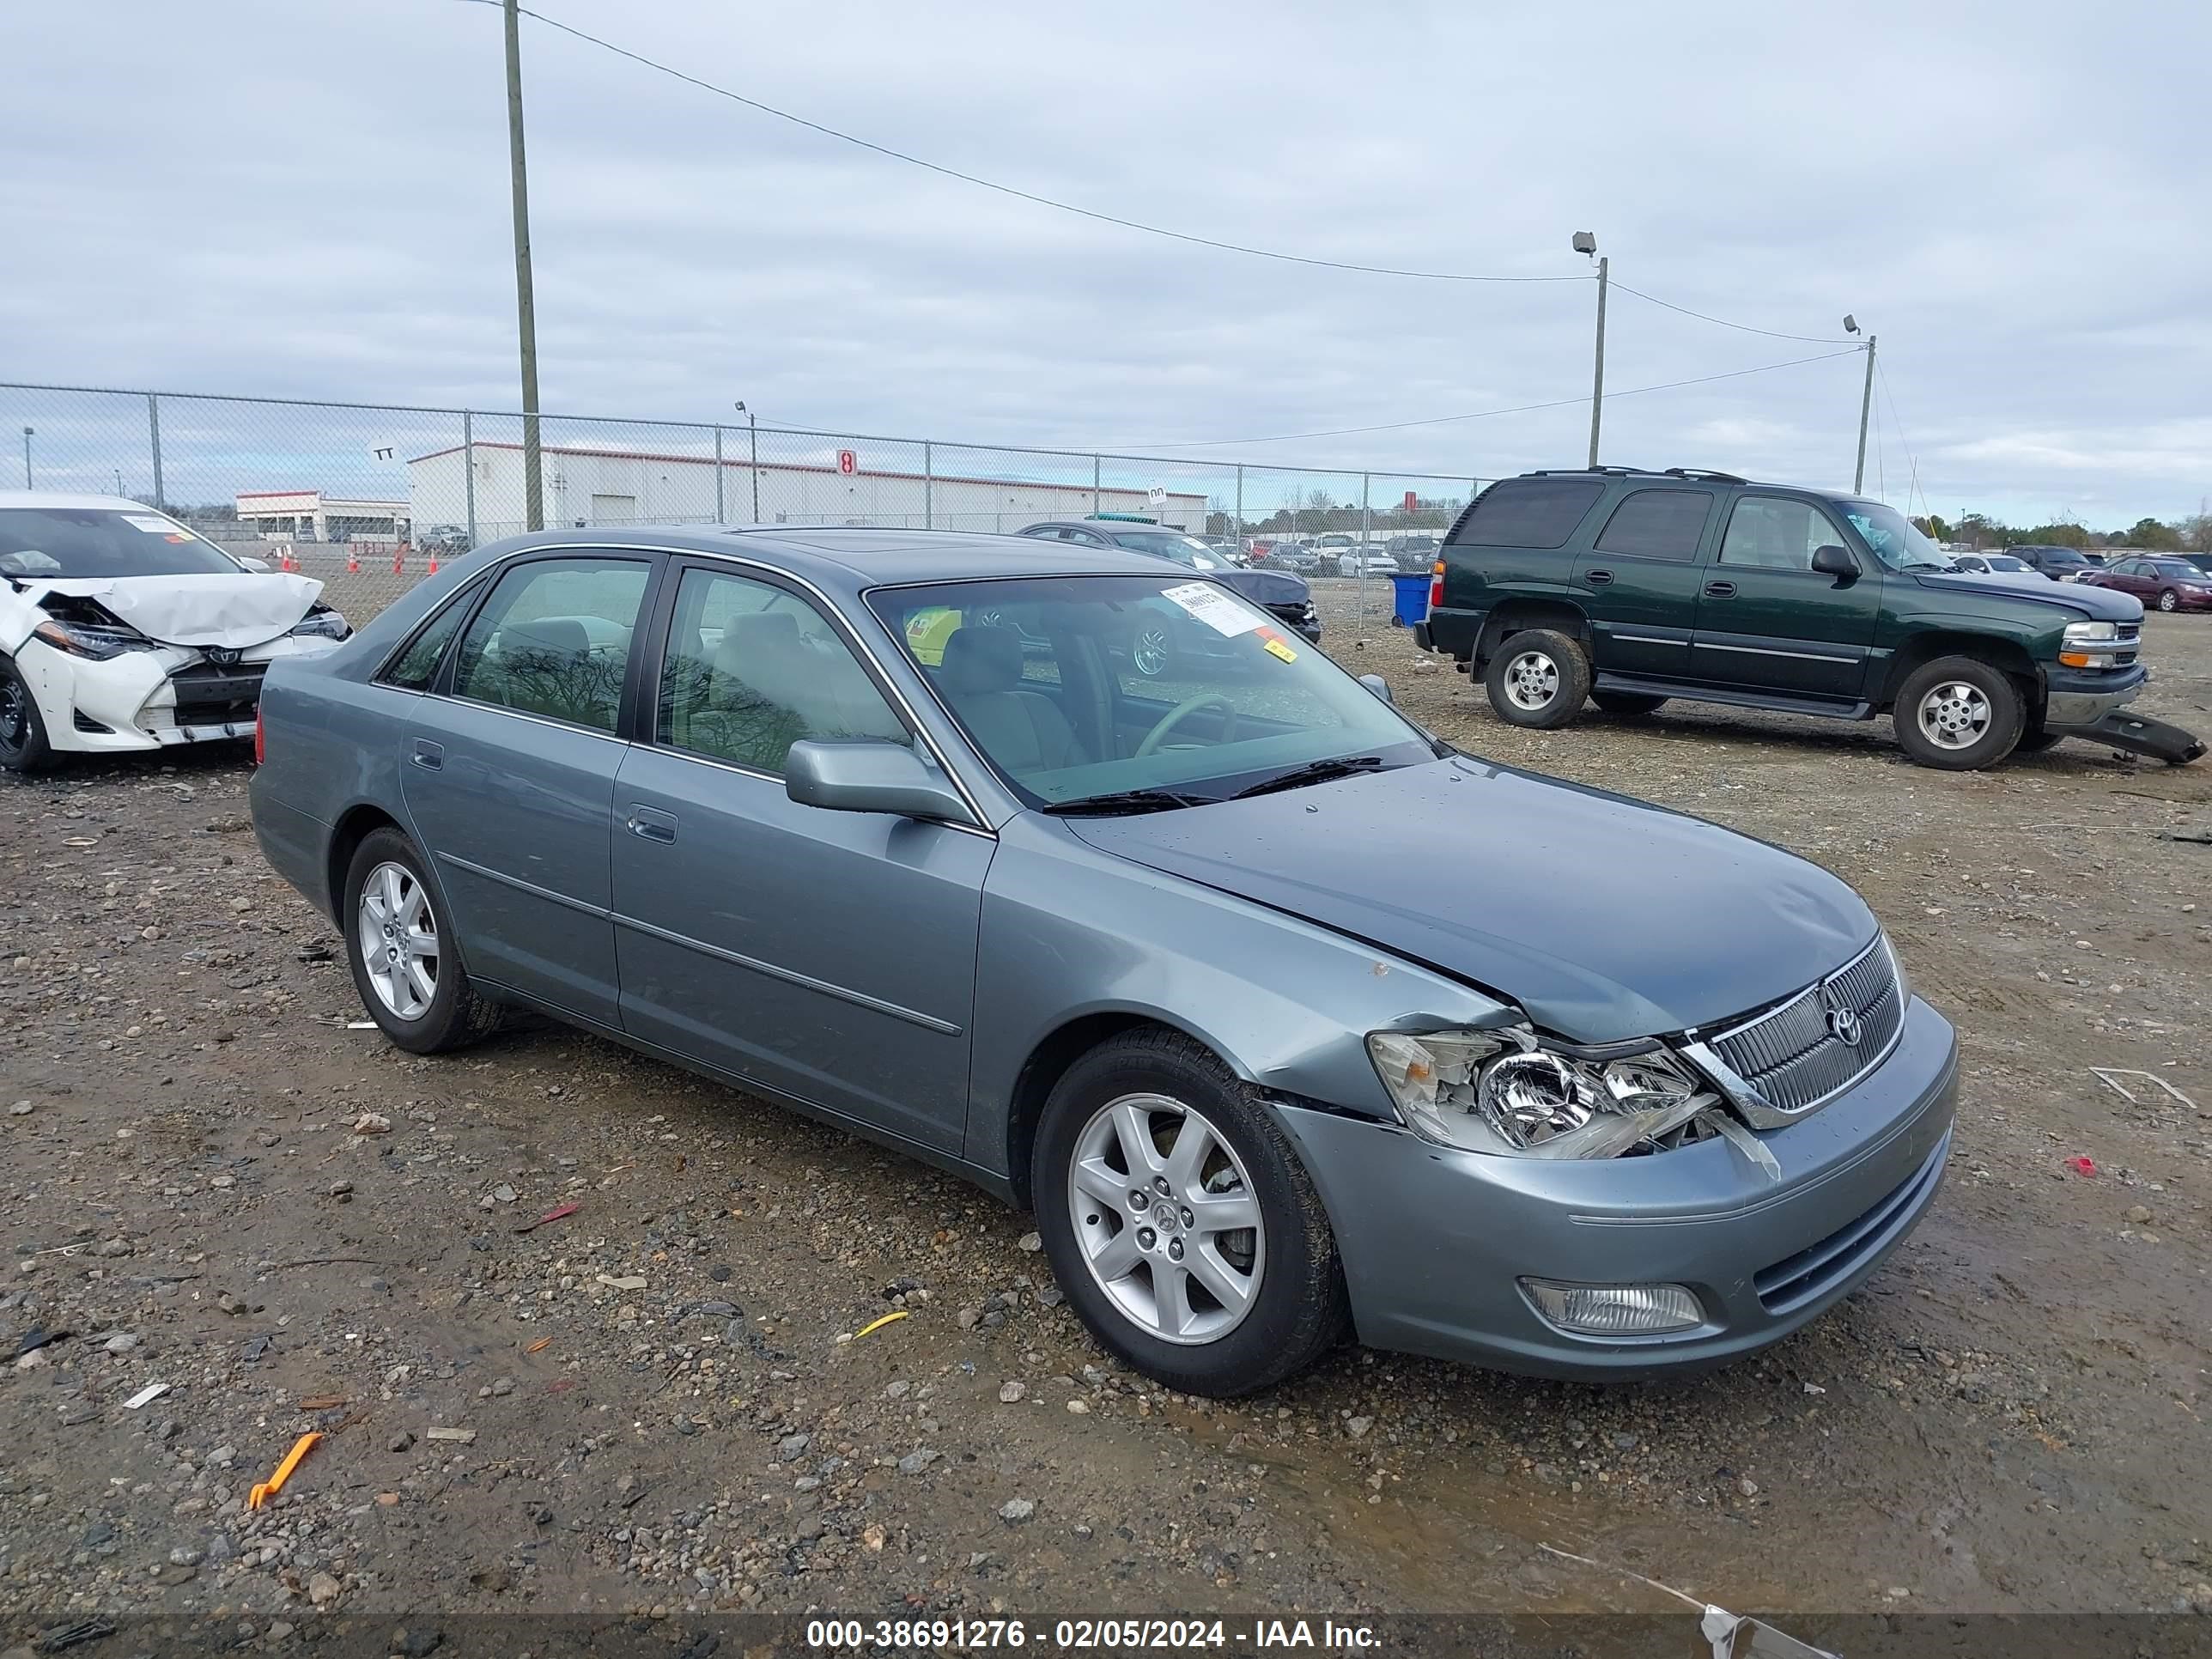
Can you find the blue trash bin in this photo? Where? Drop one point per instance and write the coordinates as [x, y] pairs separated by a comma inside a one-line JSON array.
[[1410, 600]]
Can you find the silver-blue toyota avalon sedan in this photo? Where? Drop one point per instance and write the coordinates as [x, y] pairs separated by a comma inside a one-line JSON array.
[[1286, 1018]]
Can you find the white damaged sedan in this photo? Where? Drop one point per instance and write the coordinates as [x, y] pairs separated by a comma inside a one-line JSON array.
[[121, 629]]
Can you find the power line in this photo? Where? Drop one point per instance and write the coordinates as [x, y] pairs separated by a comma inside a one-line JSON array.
[[1810, 339], [1483, 414], [1881, 374], [1009, 189]]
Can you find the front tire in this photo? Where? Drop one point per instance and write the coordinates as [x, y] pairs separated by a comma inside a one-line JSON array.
[[23, 745], [1538, 678], [1958, 714], [2169, 601], [1179, 1221], [406, 962]]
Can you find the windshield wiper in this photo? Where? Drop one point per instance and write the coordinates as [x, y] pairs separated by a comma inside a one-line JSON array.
[[1126, 800], [1320, 771]]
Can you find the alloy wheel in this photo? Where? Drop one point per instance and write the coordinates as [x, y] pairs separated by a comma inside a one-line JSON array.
[[1152, 651], [2167, 602], [1955, 715], [397, 937], [1532, 681], [1166, 1219]]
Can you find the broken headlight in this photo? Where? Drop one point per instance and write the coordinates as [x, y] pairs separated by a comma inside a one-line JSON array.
[[1505, 1092], [322, 623]]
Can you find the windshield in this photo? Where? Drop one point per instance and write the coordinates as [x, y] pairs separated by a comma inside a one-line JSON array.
[[1999, 561], [64, 542], [1076, 687], [1169, 544], [1894, 540]]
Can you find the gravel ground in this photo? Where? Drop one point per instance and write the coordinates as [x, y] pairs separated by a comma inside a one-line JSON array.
[[662, 1400]]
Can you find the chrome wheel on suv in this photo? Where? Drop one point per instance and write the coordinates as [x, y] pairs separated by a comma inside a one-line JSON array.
[[1532, 680], [1538, 677], [1959, 714], [1953, 714], [1166, 1219]]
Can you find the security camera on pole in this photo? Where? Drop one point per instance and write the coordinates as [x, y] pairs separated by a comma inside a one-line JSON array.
[[1586, 242], [1866, 404]]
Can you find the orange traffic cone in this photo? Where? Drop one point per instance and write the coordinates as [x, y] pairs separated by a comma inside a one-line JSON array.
[[353, 562], [434, 564], [400, 559]]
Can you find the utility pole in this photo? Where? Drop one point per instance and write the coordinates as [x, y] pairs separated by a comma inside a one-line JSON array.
[[1866, 407], [1597, 382], [29, 433], [525, 305]]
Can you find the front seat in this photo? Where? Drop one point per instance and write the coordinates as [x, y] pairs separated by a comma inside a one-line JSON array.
[[1022, 732]]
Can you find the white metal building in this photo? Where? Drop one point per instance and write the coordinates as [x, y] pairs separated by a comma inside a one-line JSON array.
[[305, 516], [583, 486]]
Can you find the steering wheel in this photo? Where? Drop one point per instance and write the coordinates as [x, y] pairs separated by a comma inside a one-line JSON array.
[[1175, 716]]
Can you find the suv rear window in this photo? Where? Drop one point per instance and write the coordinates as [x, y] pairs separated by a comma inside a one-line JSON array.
[[1529, 512], [1658, 524]]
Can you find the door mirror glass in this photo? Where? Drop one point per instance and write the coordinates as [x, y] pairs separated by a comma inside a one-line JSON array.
[[1834, 560], [1379, 686], [870, 777]]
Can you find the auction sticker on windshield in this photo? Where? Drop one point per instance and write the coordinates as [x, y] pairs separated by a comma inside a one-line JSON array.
[[149, 524], [1212, 607]]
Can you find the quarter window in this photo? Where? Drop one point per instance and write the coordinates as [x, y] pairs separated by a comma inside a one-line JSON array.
[[416, 665], [752, 669], [1658, 524], [1529, 512], [554, 639], [1771, 532]]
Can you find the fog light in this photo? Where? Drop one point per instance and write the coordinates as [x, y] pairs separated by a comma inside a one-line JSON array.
[[1616, 1309]]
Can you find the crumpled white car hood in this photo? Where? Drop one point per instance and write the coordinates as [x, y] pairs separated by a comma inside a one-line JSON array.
[[230, 612]]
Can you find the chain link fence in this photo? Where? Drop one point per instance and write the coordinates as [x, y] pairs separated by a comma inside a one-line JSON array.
[[370, 498]]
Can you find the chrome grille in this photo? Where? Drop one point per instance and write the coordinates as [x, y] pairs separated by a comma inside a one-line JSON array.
[[1793, 1058]]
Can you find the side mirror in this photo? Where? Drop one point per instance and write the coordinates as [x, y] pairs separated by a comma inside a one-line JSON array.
[[1837, 562], [261, 565], [871, 777], [1379, 686]]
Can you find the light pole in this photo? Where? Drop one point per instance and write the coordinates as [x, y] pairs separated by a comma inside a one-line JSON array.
[[1866, 405], [752, 448], [526, 304], [1586, 242], [28, 431]]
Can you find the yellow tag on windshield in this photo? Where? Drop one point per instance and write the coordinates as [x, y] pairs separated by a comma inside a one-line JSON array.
[[1277, 648]]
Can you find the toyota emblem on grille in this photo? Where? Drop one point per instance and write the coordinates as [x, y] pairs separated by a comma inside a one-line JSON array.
[[1842, 1018], [223, 655]]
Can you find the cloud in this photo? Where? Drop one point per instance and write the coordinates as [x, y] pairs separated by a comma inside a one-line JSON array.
[[252, 195]]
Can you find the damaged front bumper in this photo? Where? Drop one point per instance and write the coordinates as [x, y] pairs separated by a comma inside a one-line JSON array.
[[163, 698], [1439, 1246]]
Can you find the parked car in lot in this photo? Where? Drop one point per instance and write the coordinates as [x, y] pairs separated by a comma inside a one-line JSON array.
[[122, 629], [1165, 638], [1628, 1093], [1368, 561], [447, 541], [1994, 564], [2061, 564], [1630, 588], [1412, 553], [2167, 581]]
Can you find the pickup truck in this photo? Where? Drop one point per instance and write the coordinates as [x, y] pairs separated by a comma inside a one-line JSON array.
[[1629, 588]]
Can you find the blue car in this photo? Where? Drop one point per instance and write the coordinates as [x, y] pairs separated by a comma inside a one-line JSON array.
[[885, 826]]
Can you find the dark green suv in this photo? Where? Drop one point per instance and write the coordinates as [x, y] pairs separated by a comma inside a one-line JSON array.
[[1630, 587]]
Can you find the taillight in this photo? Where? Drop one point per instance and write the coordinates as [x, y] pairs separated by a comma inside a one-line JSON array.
[[260, 743], [1436, 585]]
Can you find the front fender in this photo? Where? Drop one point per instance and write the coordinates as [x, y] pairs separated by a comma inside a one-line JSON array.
[[1070, 932]]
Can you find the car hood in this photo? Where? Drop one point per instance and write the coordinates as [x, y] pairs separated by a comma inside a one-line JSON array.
[[216, 608], [2097, 604], [1265, 587], [1604, 918]]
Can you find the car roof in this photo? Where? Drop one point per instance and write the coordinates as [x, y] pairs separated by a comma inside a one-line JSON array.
[[853, 559], [1689, 475], [72, 501]]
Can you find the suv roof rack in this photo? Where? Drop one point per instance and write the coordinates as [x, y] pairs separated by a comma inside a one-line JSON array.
[[1705, 473], [1579, 471]]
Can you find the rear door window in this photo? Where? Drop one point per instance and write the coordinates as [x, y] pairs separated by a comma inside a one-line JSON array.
[[1658, 524], [1529, 512], [553, 640]]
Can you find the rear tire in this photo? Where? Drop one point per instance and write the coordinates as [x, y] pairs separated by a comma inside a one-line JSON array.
[[1538, 678], [23, 745], [1136, 1262], [1627, 703], [1958, 714], [415, 984]]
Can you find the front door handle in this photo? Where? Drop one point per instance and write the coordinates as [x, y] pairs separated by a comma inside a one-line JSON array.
[[1597, 578], [1719, 590], [652, 825], [430, 755]]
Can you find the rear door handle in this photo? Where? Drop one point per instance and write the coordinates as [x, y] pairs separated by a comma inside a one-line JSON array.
[[1597, 578], [1719, 590], [430, 755], [652, 825]]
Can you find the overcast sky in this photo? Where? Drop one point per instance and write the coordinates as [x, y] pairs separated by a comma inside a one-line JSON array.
[[302, 198]]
